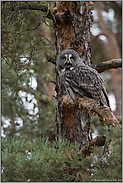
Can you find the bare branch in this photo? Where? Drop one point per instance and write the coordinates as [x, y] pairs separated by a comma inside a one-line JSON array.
[[103, 111], [50, 59], [34, 7], [53, 82], [98, 141], [110, 64]]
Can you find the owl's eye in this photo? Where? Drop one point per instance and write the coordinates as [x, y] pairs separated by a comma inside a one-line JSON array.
[[64, 58], [71, 58]]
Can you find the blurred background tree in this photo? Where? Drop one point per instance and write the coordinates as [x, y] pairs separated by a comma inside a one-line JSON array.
[[27, 33], [107, 44]]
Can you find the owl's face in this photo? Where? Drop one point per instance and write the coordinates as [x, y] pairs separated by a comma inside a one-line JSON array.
[[67, 60]]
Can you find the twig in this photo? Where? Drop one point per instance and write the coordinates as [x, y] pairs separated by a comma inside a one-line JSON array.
[[50, 59], [53, 82]]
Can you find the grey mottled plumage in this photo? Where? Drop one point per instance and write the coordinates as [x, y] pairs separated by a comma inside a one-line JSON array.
[[77, 79]]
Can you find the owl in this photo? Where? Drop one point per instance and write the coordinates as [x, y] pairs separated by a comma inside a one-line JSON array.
[[77, 79]]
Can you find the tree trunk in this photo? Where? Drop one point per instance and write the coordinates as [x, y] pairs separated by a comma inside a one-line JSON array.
[[72, 29]]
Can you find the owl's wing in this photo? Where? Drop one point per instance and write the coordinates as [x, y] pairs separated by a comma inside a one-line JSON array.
[[87, 82]]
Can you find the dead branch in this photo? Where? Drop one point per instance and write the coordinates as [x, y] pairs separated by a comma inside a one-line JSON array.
[[30, 6], [54, 82], [50, 59], [103, 111], [110, 64], [85, 103], [98, 141]]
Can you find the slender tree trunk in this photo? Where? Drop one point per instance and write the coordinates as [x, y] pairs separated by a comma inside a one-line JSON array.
[[72, 30], [111, 51]]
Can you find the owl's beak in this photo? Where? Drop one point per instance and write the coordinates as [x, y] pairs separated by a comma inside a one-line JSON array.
[[68, 64]]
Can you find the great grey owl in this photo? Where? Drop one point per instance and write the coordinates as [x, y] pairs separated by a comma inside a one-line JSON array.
[[77, 79]]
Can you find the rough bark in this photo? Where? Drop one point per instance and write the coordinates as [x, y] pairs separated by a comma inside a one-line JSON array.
[[73, 32], [73, 28]]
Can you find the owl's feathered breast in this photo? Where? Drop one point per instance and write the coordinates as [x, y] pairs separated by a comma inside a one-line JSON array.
[[83, 81]]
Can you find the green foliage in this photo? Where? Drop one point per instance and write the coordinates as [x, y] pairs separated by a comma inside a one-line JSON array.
[[43, 161], [25, 36], [109, 166], [23, 160]]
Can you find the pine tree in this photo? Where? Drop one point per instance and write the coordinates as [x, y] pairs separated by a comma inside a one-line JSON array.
[[27, 158]]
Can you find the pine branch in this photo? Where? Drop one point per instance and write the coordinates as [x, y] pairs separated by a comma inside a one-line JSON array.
[[110, 64], [42, 98]]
